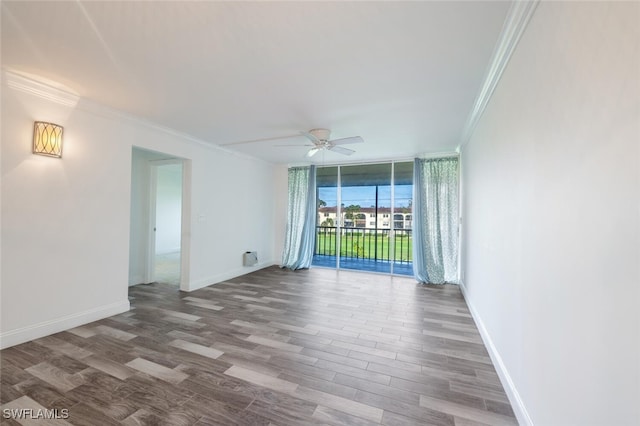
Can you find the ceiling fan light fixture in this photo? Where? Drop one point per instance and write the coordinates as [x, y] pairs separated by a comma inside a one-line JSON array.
[[312, 152]]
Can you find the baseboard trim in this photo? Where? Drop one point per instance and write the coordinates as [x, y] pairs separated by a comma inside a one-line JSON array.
[[45, 328], [215, 279], [505, 378]]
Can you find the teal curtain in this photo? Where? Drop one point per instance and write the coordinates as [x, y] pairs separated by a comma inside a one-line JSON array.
[[301, 218], [436, 219]]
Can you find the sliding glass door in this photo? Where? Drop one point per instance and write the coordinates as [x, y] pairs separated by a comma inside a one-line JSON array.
[[364, 217]]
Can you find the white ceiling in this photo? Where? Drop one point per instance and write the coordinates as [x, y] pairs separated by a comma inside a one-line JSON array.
[[403, 75]]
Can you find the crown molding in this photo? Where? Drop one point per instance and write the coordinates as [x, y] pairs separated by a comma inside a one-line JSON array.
[[514, 26], [96, 108], [42, 90], [112, 113], [64, 96]]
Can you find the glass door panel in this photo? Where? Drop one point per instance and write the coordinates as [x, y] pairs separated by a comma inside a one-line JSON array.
[[327, 217], [403, 218], [365, 223]]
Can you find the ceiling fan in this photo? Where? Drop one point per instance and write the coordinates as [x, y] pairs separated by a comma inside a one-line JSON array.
[[318, 137], [320, 140]]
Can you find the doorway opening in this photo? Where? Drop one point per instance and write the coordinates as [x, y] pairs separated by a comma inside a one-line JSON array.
[[159, 213], [166, 219]]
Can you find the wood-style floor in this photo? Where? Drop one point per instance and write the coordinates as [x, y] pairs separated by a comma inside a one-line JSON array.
[[273, 347]]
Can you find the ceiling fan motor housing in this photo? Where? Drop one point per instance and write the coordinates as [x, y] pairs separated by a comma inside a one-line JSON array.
[[321, 134]]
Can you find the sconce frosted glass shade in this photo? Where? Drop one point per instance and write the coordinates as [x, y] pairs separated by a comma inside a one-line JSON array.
[[47, 139]]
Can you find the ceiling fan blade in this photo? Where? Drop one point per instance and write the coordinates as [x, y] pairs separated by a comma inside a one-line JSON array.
[[312, 152], [310, 137], [341, 150], [298, 145], [346, 141], [258, 140]]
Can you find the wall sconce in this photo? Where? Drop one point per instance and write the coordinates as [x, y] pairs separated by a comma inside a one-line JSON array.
[[47, 139]]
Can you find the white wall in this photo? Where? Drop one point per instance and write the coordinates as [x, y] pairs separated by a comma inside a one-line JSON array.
[[168, 208], [65, 222], [552, 196], [232, 211]]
